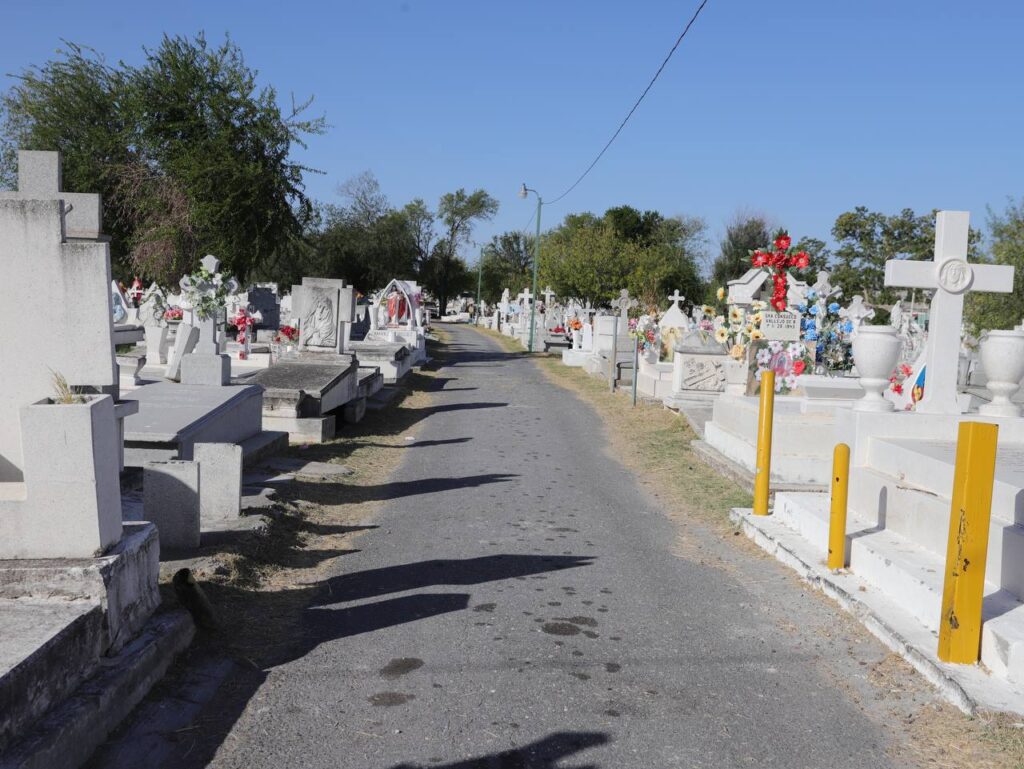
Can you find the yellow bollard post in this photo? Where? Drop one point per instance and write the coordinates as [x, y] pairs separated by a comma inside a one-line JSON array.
[[837, 516], [763, 469], [971, 511]]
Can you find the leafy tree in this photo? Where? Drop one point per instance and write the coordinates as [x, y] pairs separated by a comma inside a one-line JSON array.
[[592, 258], [444, 273], [1002, 311], [742, 235], [820, 257], [191, 155], [507, 263]]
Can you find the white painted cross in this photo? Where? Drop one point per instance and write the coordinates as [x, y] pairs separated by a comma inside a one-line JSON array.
[[676, 297], [857, 313], [40, 178], [951, 276], [623, 305], [548, 293]]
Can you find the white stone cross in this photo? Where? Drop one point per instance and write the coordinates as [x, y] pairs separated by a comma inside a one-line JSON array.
[[857, 313], [676, 297], [623, 304], [951, 276], [526, 296], [40, 178]]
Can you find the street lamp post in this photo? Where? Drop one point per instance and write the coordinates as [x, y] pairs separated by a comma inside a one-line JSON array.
[[523, 192], [479, 279]]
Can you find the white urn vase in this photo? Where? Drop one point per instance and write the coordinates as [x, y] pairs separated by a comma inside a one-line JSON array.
[[1002, 358], [736, 372], [876, 351]]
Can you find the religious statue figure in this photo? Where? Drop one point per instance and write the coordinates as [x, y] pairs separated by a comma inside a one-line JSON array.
[[318, 327], [398, 307]]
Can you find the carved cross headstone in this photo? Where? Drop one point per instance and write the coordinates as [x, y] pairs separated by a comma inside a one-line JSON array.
[[548, 293], [40, 177], [624, 304], [676, 297], [952, 276], [857, 313]]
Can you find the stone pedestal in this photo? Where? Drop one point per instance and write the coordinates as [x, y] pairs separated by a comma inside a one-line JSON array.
[[203, 369]]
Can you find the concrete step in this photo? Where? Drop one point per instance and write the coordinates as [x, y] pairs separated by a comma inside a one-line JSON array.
[[47, 649], [382, 398], [923, 518], [929, 465], [790, 465], [911, 577]]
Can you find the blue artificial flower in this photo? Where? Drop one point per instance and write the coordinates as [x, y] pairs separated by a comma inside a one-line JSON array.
[[811, 335], [832, 336], [814, 310], [820, 349], [834, 307], [848, 327], [802, 307], [812, 295]]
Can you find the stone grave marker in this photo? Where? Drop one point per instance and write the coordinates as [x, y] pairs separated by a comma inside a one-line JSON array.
[[951, 276], [783, 326]]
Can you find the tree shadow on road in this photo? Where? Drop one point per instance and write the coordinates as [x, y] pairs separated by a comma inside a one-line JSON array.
[[344, 493], [542, 754], [461, 571]]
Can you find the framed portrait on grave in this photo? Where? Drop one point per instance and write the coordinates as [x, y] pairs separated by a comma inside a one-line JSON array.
[[789, 361]]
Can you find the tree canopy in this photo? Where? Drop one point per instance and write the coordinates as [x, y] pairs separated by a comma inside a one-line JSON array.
[[592, 258], [190, 154]]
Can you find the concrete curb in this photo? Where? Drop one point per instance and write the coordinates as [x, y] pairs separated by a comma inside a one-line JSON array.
[[825, 581], [69, 734]]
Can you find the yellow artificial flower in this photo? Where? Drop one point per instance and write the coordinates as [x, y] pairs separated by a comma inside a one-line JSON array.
[[720, 293], [708, 310], [736, 351], [757, 318], [736, 314], [757, 304], [757, 334], [721, 335]]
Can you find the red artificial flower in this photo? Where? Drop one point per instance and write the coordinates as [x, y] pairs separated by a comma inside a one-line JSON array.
[[760, 258], [898, 389], [907, 371], [801, 260], [779, 304], [798, 367], [782, 242]]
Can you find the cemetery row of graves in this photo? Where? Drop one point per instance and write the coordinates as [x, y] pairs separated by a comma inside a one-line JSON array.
[[137, 427], [912, 430]]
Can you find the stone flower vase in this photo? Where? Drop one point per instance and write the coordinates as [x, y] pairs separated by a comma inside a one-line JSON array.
[[876, 351], [736, 373], [577, 339], [1002, 358]]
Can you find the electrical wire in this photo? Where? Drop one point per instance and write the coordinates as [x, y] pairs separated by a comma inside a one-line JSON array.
[[637, 104]]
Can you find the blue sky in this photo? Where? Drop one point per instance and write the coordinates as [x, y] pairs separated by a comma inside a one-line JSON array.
[[799, 110]]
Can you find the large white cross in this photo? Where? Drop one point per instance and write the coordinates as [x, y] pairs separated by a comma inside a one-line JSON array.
[[40, 177], [951, 276], [548, 293], [676, 297]]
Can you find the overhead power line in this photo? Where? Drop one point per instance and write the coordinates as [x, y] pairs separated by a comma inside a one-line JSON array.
[[631, 111]]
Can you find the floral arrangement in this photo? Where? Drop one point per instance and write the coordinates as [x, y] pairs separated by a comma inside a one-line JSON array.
[[733, 326], [244, 321], [558, 330], [820, 323], [788, 362], [575, 324], [778, 258], [899, 376], [207, 292], [287, 334], [645, 330], [174, 313]]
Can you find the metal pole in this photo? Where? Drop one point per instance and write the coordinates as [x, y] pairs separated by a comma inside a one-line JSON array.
[[536, 261], [615, 354], [837, 512], [636, 367], [479, 278], [765, 417]]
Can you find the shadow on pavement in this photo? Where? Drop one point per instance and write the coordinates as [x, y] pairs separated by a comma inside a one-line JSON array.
[[467, 571], [343, 493], [543, 754]]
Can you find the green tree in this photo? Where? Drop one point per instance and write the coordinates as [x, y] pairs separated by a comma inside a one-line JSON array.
[[191, 155], [742, 235], [1002, 311], [507, 263], [444, 273]]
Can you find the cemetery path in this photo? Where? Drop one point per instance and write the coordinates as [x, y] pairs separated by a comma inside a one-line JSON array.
[[520, 606]]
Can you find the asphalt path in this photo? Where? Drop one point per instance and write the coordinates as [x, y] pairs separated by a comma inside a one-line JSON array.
[[520, 605]]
